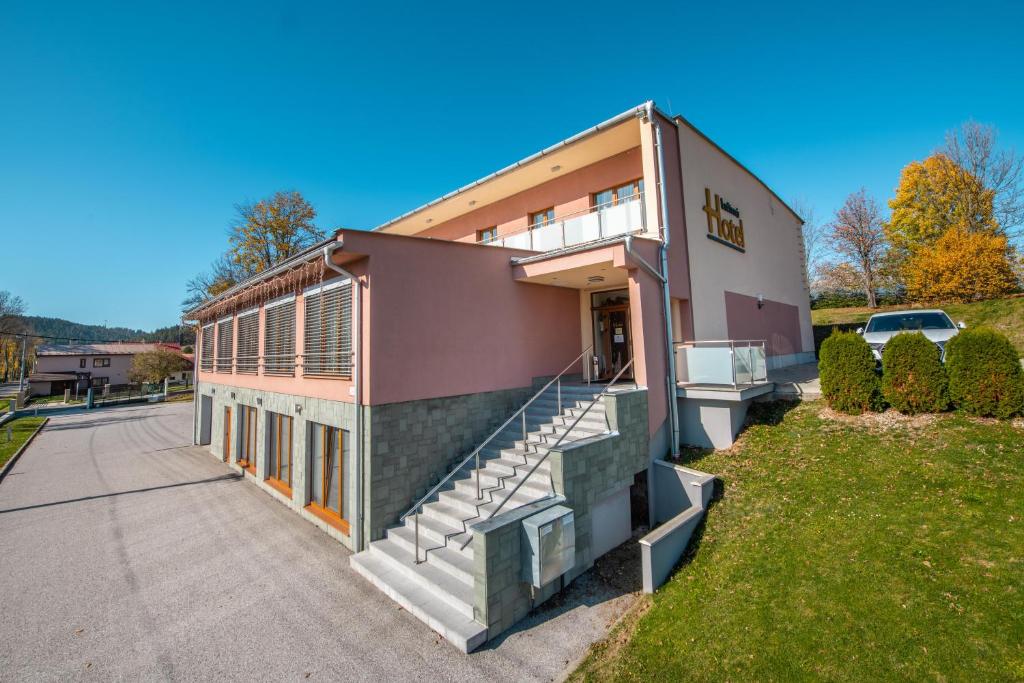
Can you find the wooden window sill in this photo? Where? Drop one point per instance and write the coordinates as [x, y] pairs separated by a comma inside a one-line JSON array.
[[329, 517], [279, 486]]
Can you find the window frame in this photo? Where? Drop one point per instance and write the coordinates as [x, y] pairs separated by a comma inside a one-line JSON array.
[[101, 362], [279, 333], [317, 360], [533, 225], [275, 445], [247, 364], [81, 362], [636, 183], [206, 339], [247, 423], [225, 363], [482, 235], [336, 519]]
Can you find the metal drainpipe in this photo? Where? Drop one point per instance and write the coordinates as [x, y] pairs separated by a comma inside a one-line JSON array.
[[329, 250], [670, 379]]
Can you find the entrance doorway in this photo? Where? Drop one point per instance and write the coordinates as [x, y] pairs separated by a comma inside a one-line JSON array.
[[613, 345]]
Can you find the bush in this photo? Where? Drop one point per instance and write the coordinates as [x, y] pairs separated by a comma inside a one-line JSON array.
[[913, 379], [847, 369], [985, 377]]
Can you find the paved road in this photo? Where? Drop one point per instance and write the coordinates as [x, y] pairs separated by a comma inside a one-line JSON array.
[[126, 554]]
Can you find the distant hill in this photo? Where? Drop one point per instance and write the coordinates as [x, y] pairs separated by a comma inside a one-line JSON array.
[[79, 332]]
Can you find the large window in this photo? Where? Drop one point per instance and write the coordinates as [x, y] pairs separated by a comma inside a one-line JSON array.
[[279, 337], [247, 342], [247, 437], [328, 471], [225, 340], [328, 343], [206, 350], [101, 362], [279, 449], [619, 193]]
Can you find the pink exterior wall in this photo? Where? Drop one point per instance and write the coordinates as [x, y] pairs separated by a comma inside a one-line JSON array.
[[775, 322], [568, 194], [446, 319]]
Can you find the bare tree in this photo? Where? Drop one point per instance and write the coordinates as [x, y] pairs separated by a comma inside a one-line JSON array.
[[815, 236], [973, 146], [856, 233]]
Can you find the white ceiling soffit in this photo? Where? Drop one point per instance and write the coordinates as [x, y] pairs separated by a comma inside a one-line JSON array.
[[600, 145]]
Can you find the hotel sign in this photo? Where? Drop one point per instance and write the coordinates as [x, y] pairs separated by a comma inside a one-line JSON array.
[[724, 230]]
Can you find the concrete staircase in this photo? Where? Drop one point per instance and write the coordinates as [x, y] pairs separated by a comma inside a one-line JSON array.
[[440, 589]]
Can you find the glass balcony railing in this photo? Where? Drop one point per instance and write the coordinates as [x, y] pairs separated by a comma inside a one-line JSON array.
[[730, 362], [623, 217]]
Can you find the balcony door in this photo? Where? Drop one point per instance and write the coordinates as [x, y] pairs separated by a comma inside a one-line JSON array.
[[613, 344]]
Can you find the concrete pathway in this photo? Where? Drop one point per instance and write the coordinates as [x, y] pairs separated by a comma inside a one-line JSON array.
[[126, 554], [796, 381]]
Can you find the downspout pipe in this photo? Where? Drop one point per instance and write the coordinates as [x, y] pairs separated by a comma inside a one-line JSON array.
[[666, 238], [357, 366]]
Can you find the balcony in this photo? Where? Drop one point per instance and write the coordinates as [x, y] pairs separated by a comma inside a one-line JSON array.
[[734, 363], [623, 217]]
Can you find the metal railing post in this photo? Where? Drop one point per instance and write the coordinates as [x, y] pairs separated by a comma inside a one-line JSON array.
[[559, 395], [732, 352], [416, 535], [478, 496], [524, 430]]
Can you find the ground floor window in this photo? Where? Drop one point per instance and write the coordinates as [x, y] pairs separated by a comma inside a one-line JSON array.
[[247, 437], [279, 449], [328, 457]]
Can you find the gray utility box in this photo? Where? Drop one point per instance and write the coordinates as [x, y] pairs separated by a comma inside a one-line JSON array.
[[549, 545]]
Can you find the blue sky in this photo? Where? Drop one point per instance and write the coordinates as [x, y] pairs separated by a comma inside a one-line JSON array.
[[129, 131]]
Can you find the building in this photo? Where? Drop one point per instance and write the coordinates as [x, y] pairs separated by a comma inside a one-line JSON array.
[[397, 387], [80, 366]]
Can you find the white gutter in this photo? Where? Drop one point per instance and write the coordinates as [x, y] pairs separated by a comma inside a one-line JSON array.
[[670, 379], [328, 252]]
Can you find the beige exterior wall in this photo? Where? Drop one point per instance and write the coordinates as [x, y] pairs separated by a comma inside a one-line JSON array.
[[117, 373], [773, 263]]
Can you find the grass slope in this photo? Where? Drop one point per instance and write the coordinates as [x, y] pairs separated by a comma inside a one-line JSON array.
[[1005, 315], [21, 429], [872, 548]]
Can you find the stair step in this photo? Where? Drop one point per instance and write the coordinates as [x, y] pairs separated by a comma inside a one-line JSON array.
[[464, 633], [455, 593], [449, 559], [511, 462], [437, 532], [448, 515], [481, 509], [489, 480]]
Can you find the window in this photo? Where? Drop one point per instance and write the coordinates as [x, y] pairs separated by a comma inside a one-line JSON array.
[[99, 381], [279, 449], [101, 362], [225, 337], [539, 219], [81, 362], [247, 342], [247, 437], [620, 193], [206, 350], [329, 470], [487, 235], [328, 343], [279, 337]]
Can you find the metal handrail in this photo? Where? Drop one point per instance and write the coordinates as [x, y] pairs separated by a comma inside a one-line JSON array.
[[418, 505], [553, 447], [597, 208]]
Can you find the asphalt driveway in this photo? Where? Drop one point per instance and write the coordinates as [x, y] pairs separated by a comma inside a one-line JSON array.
[[127, 554]]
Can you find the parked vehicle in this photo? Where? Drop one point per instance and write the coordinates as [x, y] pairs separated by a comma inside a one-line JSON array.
[[934, 324]]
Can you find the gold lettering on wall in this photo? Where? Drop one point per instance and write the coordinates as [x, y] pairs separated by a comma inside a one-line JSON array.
[[723, 230]]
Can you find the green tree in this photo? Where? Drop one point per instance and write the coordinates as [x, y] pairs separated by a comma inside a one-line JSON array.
[[154, 366]]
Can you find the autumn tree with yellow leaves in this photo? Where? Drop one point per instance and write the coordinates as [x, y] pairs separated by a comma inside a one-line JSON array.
[[961, 266]]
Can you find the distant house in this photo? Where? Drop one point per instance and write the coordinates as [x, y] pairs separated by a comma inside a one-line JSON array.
[[80, 366]]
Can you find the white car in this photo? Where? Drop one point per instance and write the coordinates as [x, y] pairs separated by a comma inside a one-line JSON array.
[[934, 324]]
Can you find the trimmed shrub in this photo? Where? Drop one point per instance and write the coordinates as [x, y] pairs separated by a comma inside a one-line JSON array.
[[913, 379], [847, 369], [985, 377]]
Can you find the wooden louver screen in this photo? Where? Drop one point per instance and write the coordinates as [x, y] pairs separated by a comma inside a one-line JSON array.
[[206, 352], [247, 344], [279, 339], [328, 342], [225, 338]]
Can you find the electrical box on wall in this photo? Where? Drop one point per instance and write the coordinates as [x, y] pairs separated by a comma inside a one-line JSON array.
[[549, 545]]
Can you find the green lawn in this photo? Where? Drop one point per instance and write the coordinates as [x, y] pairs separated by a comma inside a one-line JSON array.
[[1005, 315], [21, 428], [873, 548]]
